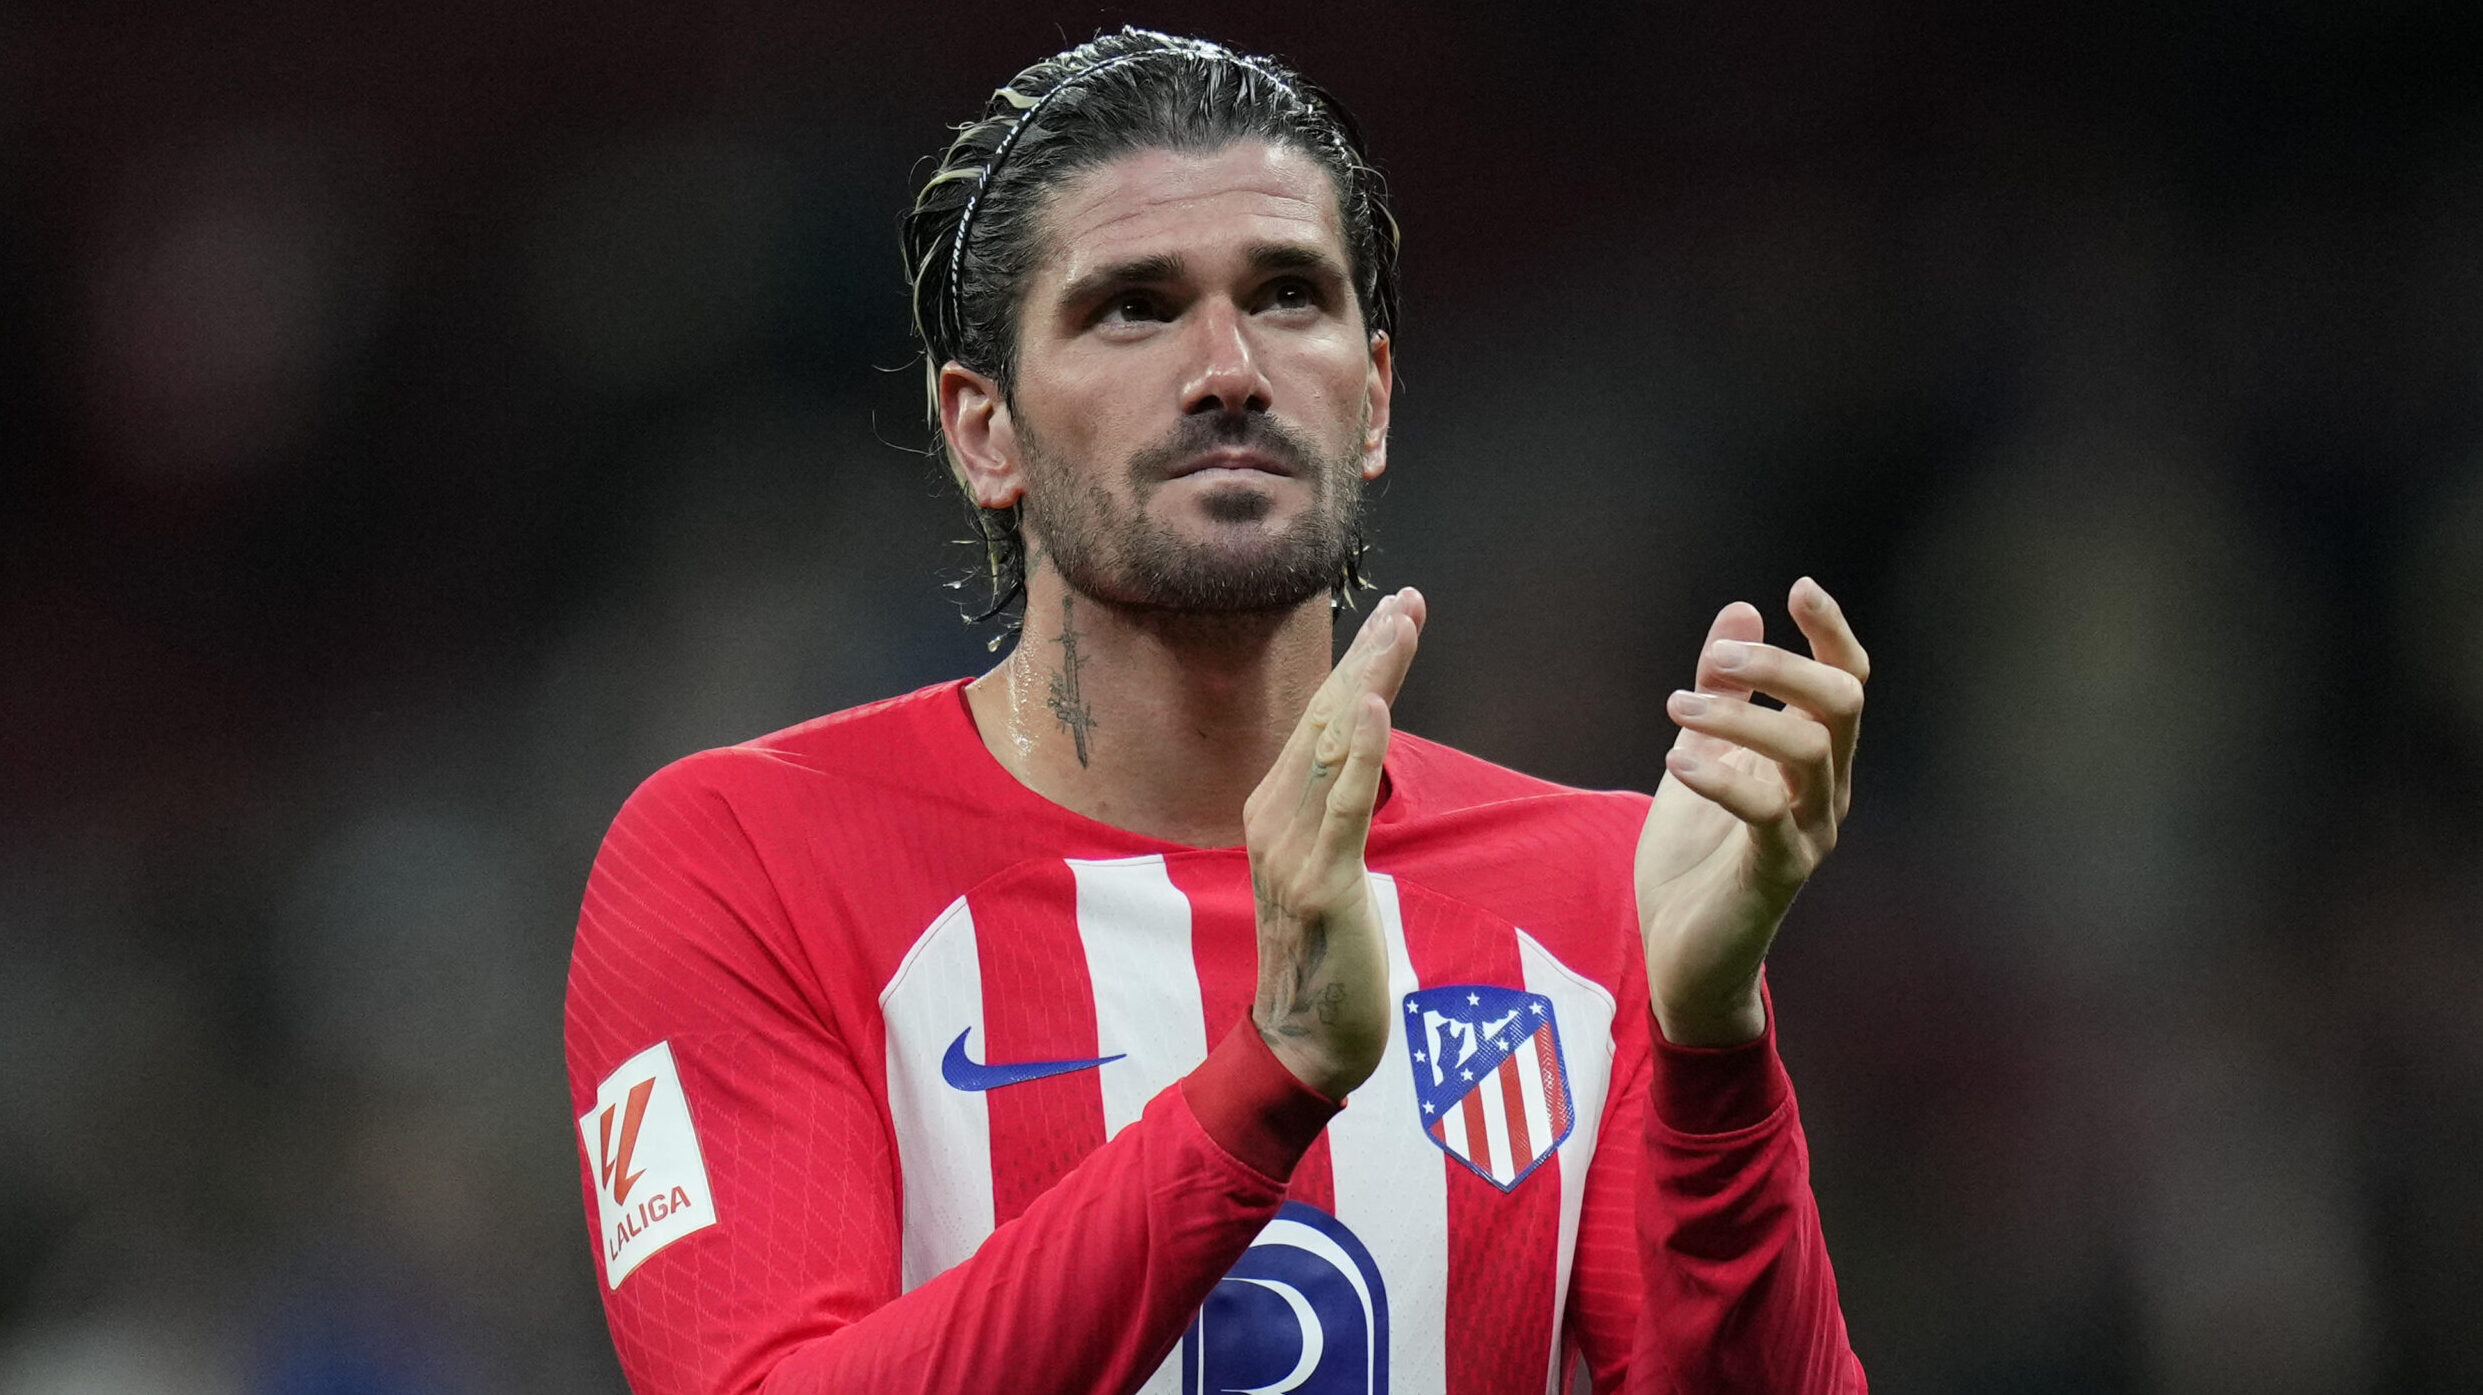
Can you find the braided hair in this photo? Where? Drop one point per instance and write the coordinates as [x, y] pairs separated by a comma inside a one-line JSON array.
[[971, 238]]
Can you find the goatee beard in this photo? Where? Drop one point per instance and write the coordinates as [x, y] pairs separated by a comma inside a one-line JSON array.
[[1115, 554]]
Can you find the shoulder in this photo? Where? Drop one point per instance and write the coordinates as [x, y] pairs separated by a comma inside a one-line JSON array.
[[1488, 833], [1528, 853], [881, 803], [755, 850], [1440, 781], [840, 790], [904, 738]]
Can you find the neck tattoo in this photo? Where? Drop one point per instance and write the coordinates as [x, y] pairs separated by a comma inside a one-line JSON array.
[[1067, 702]]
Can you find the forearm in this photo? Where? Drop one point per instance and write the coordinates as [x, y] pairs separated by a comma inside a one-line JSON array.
[[1090, 1288], [1739, 1292]]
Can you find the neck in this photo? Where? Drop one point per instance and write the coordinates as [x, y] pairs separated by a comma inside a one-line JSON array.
[[1158, 722]]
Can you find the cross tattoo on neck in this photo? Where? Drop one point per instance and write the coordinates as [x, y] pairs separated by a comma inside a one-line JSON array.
[[1068, 704]]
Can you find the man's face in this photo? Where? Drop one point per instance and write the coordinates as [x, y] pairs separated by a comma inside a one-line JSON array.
[[1197, 403]]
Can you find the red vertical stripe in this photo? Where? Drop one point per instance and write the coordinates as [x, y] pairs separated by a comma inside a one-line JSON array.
[[1314, 1177], [1501, 1246], [1038, 1005], [1521, 1141], [1478, 1143], [1555, 1098], [1224, 943]]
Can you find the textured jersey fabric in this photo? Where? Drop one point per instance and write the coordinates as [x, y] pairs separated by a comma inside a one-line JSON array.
[[975, 1105]]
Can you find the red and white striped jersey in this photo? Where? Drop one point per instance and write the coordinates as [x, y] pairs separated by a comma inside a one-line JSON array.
[[891, 1075]]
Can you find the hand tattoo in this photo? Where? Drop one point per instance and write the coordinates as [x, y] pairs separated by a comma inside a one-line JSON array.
[[1295, 997]]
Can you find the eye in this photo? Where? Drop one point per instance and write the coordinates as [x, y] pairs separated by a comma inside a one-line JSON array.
[[1291, 293], [1131, 306]]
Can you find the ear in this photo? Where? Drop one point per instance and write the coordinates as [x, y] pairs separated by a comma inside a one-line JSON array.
[[982, 438], [1376, 391]]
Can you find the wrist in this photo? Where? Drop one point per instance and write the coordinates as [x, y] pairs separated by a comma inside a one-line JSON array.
[[1706, 1090], [1253, 1106], [1733, 1017], [1314, 1062]]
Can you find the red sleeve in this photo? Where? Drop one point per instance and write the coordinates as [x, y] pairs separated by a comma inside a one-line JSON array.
[[1739, 1293], [794, 1287], [1700, 1265]]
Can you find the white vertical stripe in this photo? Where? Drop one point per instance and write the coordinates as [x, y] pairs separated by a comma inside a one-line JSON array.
[[1496, 1129], [1392, 1183], [1583, 1011], [943, 1134], [1167, 1377], [1528, 1063], [1135, 925]]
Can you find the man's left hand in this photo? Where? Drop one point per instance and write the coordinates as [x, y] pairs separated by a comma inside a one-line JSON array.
[[1748, 808]]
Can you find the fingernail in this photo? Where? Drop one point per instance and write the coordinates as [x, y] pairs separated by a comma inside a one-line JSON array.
[[1689, 704], [1684, 762], [1729, 653]]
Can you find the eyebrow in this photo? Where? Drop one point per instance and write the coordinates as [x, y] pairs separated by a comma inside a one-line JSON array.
[[1169, 266], [1293, 256], [1138, 271]]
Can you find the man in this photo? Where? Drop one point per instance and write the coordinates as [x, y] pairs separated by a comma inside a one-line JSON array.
[[1144, 1015]]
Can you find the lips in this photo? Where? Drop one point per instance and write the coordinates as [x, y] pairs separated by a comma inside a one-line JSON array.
[[1232, 458]]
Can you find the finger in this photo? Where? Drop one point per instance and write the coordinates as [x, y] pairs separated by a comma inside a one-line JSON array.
[[1417, 609], [1759, 801], [1354, 671], [1823, 623], [1736, 623], [1754, 799], [1333, 694], [1381, 653], [1833, 642], [1800, 747], [1824, 691], [1376, 669], [1347, 824], [1392, 654]]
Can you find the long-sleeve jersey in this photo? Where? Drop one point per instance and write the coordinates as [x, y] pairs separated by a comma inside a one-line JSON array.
[[893, 1076]]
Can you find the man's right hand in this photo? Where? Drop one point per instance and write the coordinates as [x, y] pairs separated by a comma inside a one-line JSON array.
[[1322, 1003]]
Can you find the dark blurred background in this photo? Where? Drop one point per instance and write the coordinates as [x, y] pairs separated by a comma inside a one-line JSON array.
[[419, 422]]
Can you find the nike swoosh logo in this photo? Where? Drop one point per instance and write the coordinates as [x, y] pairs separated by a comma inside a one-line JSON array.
[[965, 1073]]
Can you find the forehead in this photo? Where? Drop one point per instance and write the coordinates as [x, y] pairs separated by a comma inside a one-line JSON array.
[[1157, 201]]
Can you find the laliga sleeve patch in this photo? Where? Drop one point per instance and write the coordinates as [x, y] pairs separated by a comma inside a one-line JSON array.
[[650, 1183]]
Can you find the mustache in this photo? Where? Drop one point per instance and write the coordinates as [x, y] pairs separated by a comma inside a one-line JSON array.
[[1210, 430]]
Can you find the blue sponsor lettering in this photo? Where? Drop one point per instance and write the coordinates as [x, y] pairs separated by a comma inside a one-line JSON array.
[[1303, 1313]]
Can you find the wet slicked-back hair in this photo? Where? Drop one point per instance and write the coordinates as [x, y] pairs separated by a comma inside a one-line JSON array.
[[971, 239]]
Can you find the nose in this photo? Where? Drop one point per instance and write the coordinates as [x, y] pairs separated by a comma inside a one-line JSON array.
[[1227, 379]]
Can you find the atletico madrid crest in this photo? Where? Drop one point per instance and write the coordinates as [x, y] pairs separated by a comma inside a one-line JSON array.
[[1489, 1078]]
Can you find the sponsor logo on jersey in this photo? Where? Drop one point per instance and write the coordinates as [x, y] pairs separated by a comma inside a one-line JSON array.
[[650, 1182], [963, 1072], [1304, 1311], [1489, 1077]]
